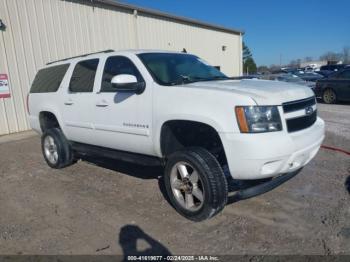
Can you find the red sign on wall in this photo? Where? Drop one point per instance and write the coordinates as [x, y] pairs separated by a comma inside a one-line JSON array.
[[4, 86]]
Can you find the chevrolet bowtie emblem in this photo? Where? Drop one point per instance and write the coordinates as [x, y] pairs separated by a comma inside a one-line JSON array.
[[309, 110]]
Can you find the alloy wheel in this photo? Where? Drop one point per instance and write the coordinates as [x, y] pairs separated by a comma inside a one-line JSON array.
[[187, 186], [50, 150]]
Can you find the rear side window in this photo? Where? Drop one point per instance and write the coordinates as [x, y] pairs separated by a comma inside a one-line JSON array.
[[117, 65], [83, 76], [49, 79], [344, 75]]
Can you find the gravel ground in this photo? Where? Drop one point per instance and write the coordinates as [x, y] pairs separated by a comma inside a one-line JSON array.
[[110, 207], [337, 119]]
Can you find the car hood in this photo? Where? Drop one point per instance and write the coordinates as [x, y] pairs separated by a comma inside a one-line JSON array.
[[263, 92]]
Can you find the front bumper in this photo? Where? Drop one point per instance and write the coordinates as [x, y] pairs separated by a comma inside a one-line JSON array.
[[261, 188], [257, 156]]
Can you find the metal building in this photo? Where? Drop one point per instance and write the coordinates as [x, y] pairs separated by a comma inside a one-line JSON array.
[[35, 32]]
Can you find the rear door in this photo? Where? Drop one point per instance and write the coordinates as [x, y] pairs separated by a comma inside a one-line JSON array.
[[78, 102], [123, 120], [343, 85]]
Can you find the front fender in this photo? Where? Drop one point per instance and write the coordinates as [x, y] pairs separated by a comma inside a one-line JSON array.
[[185, 117]]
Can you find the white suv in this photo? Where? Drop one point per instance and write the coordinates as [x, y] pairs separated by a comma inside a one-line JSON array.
[[173, 109]]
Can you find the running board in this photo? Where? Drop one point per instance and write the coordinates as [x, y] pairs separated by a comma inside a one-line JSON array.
[[91, 150]]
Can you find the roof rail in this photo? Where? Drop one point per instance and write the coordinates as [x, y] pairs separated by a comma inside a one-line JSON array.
[[105, 51]]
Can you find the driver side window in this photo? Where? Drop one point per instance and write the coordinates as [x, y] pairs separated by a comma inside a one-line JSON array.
[[344, 75], [117, 65]]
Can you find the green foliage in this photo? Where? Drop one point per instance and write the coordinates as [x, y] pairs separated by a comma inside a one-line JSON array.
[[249, 65], [246, 52], [263, 69]]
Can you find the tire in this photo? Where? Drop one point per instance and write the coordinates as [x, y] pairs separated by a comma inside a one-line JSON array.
[[210, 187], [329, 96], [55, 148]]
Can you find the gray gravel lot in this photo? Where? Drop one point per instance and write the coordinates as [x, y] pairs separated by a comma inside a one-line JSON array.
[[337, 119], [110, 207]]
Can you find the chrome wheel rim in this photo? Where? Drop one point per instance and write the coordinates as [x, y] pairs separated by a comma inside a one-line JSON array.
[[328, 96], [50, 150], [187, 186]]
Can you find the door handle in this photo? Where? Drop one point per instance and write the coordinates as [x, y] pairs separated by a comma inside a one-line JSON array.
[[69, 103], [102, 103]]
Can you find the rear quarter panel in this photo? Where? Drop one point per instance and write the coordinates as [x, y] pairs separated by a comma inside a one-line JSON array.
[[49, 102]]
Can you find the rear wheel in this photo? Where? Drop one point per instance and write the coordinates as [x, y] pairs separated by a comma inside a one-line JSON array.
[[195, 184], [329, 96], [56, 149]]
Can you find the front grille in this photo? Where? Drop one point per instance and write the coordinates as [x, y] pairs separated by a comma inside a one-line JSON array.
[[298, 105], [300, 123], [303, 121]]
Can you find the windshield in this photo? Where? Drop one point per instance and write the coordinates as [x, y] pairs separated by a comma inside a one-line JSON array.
[[176, 69]]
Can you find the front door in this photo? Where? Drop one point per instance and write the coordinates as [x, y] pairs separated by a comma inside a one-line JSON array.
[[123, 120]]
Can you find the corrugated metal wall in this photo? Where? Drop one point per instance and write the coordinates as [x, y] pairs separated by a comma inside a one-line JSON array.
[[39, 31], [166, 34]]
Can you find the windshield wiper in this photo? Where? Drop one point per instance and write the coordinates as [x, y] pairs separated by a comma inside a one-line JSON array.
[[181, 81], [214, 78], [192, 79]]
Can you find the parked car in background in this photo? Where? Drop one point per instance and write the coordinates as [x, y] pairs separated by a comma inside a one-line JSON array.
[[333, 67], [335, 87], [290, 78], [308, 69], [325, 73], [308, 76]]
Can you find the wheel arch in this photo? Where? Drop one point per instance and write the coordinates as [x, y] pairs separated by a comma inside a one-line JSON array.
[[176, 134], [49, 119]]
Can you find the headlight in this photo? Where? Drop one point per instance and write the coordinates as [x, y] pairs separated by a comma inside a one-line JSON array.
[[258, 119]]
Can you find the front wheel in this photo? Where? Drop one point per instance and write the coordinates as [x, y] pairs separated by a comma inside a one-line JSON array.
[[195, 184], [329, 96]]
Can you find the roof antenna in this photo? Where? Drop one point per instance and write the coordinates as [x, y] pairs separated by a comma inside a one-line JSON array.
[[184, 50]]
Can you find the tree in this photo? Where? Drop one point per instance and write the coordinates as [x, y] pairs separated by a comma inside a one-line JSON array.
[[308, 59], [263, 69], [331, 56], [294, 63], [246, 52], [299, 62], [249, 65]]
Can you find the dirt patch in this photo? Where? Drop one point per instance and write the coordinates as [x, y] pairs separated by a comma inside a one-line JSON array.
[[110, 207]]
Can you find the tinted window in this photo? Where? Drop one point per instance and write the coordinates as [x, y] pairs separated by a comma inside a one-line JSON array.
[[84, 76], [49, 79], [344, 74], [117, 65]]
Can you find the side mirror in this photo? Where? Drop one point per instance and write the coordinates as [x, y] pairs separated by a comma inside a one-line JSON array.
[[127, 83]]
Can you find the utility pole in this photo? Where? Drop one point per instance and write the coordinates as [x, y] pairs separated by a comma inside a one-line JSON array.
[[280, 60]]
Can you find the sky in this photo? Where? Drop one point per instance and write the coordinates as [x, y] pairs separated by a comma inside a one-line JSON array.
[[274, 29]]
